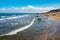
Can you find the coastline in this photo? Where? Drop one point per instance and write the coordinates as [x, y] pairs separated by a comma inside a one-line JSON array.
[[34, 32]]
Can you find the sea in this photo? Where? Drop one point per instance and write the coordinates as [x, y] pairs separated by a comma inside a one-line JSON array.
[[12, 23]]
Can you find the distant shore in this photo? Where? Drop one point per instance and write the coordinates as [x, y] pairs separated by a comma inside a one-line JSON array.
[[55, 15]]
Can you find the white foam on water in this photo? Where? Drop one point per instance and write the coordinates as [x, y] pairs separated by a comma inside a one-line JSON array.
[[2, 16], [14, 17], [20, 29]]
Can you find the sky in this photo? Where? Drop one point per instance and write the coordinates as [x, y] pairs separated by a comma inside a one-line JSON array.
[[28, 6]]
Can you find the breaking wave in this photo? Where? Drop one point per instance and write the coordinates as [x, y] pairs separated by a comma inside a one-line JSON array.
[[13, 17], [20, 29]]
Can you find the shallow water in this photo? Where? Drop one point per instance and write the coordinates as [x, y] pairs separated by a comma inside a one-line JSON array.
[[8, 25]]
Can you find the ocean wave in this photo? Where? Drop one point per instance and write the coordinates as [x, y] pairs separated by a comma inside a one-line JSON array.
[[20, 29], [13, 17]]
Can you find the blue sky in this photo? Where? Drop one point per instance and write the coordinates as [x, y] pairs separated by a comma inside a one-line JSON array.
[[6, 4]]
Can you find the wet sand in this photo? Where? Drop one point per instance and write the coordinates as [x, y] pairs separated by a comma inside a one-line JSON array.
[[52, 31], [55, 16]]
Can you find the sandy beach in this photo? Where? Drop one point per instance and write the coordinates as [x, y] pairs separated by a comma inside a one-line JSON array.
[[55, 15]]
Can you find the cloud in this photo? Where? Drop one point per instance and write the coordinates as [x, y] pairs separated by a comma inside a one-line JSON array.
[[27, 9]]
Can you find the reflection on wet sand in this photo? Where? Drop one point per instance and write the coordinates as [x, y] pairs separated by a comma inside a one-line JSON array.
[[52, 30]]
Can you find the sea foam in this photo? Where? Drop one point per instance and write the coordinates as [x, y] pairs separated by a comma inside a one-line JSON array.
[[20, 29], [13, 17]]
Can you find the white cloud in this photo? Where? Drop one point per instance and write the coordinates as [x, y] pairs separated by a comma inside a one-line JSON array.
[[27, 9]]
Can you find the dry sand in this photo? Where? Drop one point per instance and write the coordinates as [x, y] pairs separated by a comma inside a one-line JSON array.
[[55, 15]]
